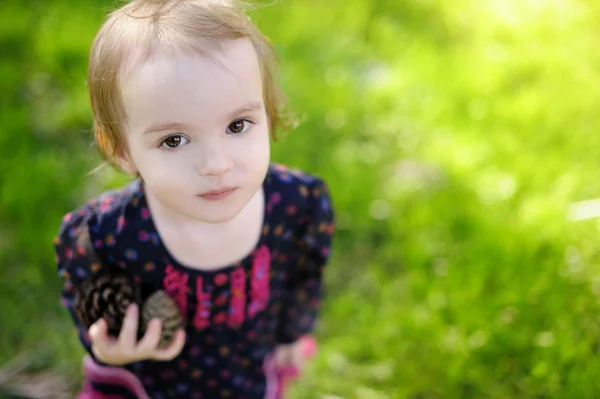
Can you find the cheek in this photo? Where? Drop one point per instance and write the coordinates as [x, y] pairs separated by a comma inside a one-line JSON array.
[[156, 165], [166, 178], [137, 151], [255, 148], [145, 153]]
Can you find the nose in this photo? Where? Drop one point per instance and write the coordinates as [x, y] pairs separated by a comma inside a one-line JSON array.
[[213, 159]]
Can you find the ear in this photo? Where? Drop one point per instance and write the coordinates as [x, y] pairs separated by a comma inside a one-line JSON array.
[[125, 163], [121, 158]]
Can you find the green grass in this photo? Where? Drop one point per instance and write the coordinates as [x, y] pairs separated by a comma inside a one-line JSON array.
[[454, 136]]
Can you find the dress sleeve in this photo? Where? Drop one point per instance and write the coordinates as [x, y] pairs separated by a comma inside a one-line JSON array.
[[76, 260], [305, 283]]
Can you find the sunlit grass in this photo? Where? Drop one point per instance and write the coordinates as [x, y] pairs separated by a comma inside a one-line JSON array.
[[456, 137]]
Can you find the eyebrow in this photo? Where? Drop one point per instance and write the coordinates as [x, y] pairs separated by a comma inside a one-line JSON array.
[[251, 106], [161, 127]]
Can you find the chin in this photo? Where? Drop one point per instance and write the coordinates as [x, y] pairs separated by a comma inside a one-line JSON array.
[[218, 216], [216, 219]]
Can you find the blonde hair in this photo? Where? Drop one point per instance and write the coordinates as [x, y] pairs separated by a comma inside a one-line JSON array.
[[130, 33]]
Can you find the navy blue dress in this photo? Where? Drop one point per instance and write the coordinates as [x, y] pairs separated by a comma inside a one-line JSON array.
[[235, 315]]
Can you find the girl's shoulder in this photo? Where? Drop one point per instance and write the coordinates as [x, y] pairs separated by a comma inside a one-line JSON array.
[[302, 200], [297, 196], [103, 214], [292, 186], [87, 231]]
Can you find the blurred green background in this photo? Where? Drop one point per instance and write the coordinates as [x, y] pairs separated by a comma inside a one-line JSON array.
[[457, 136]]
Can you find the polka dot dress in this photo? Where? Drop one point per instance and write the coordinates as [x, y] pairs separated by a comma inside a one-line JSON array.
[[234, 315]]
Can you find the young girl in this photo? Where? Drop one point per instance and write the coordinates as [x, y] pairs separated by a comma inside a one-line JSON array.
[[184, 99]]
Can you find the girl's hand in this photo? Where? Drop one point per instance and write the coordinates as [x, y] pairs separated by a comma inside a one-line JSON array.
[[126, 349], [291, 355]]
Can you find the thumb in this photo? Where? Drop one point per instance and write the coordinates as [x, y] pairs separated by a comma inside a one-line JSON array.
[[98, 331]]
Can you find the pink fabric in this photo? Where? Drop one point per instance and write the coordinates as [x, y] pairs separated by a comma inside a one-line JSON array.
[[278, 378], [273, 390], [238, 299], [176, 285], [202, 314], [108, 375]]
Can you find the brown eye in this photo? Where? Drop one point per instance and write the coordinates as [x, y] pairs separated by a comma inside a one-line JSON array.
[[173, 141], [238, 126]]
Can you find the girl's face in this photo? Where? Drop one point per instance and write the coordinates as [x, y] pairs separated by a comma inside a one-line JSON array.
[[196, 126]]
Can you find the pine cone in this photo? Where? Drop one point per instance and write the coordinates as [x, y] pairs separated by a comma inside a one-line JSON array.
[[108, 295], [161, 306], [105, 296]]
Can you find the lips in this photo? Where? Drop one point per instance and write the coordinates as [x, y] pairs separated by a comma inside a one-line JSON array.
[[218, 194]]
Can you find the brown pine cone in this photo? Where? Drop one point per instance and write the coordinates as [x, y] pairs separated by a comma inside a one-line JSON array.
[[161, 306], [109, 294], [105, 296]]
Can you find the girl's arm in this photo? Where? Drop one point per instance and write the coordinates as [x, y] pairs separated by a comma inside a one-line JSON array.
[[305, 283], [77, 261]]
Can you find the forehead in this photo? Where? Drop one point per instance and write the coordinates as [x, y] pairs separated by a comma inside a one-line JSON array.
[[170, 83]]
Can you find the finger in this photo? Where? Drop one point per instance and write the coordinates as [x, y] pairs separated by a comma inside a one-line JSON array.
[[278, 357], [147, 345], [98, 332], [98, 353], [171, 351], [300, 352], [297, 358], [98, 337], [282, 356], [128, 333]]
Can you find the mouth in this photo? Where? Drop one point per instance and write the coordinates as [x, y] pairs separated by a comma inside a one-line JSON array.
[[221, 193]]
